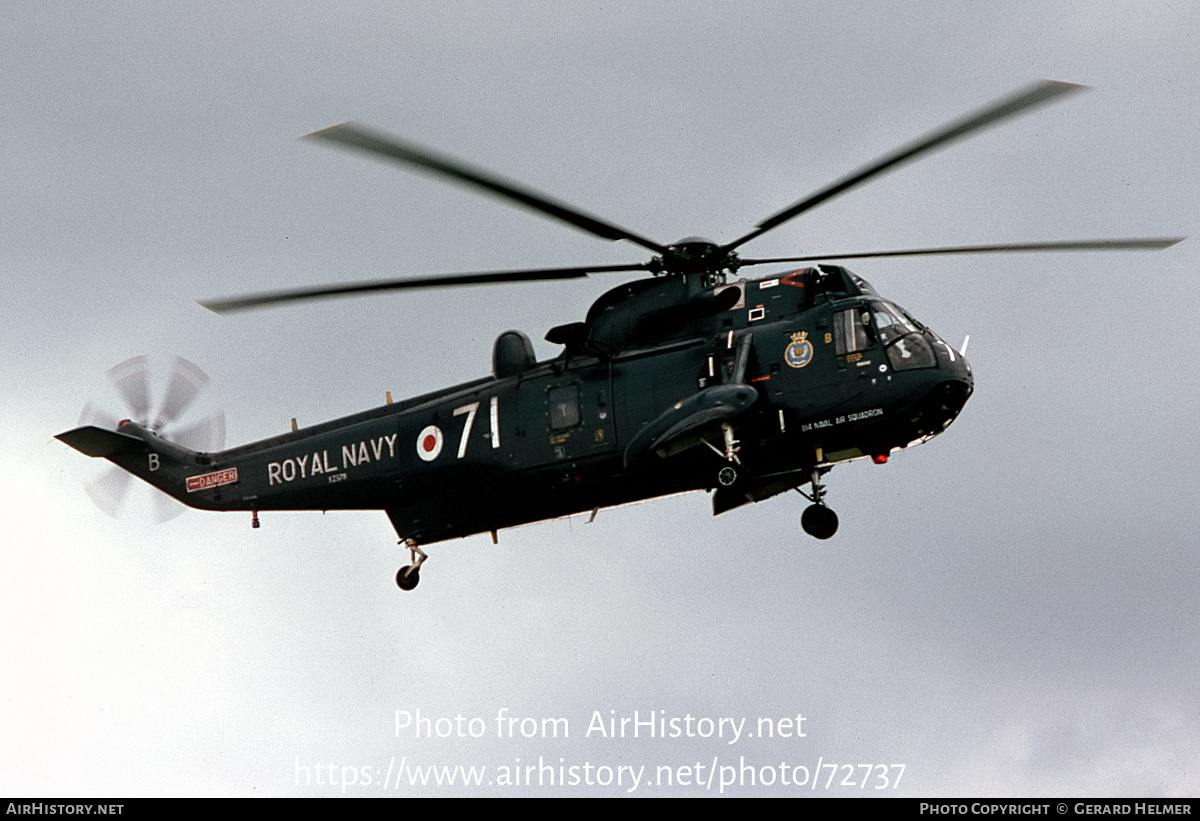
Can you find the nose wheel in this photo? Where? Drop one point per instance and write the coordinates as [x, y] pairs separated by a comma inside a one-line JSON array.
[[818, 520]]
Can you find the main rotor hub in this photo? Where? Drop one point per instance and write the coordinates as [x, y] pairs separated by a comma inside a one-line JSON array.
[[693, 248], [695, 255]]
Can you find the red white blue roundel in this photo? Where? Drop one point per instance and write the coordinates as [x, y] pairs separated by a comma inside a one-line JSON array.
[[429, 443]]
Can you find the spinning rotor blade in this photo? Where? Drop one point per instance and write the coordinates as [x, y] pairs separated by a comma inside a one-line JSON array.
[[356, 136], [129, 378], [1068, 245], [260, 300], [186, 382], [205, 436], [92, 415], [1037, 94], [109, 490]]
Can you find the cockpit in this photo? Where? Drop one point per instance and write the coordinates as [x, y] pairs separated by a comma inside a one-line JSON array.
[[867, 324]]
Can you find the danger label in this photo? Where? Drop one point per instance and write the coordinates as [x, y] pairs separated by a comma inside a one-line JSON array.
[[220, 477]]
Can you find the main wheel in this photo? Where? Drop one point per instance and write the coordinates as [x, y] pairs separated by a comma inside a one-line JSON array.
[[727, 476], [819, 521], [407, 582]]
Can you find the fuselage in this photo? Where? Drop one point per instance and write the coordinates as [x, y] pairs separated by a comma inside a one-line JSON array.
[[825, 369]]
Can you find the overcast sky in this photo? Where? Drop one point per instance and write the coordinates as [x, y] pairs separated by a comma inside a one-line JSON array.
[[1007, 610]]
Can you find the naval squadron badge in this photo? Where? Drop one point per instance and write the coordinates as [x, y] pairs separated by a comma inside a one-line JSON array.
[[800, 352]]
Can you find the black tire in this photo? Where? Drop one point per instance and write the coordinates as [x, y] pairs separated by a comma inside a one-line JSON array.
[[407, 582], [819, 521]]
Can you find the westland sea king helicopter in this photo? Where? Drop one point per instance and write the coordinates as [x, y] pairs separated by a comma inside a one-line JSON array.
[[679, 381]]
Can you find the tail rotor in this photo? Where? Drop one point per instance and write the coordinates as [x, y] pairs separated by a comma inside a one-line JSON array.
[[132, 380]]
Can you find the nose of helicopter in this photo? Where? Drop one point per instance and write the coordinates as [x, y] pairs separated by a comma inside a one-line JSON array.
[[954, 387], [942, 394]]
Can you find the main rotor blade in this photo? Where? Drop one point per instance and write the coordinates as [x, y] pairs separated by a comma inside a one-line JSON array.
[[356, 136], [1035, 95], [261, 300], [1068, 245]]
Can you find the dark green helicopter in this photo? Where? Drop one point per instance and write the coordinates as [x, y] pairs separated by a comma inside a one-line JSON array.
[[681, 381]]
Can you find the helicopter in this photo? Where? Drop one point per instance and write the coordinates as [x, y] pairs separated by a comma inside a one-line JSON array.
[[680, 381]]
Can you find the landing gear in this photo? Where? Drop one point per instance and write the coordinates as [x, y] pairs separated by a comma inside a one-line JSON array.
[[409, 576], [733, 446], [818, 520], [727, 476]]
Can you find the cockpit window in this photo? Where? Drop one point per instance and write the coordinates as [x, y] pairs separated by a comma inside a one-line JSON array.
[[852, 330], [891, 323], [905, 344]]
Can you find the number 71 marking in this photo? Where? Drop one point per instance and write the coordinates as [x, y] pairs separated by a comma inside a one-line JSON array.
[[470, 411]]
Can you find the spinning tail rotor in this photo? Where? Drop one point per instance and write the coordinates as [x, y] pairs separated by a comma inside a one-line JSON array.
[[132, 380]]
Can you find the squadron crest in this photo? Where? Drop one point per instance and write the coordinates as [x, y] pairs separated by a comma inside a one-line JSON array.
[[800, 352]]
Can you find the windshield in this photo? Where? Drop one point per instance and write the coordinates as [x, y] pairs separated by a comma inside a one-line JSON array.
[[902, 339]]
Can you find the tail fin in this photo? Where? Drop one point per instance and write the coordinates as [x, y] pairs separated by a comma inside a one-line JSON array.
[[93, 441], [139, 451]]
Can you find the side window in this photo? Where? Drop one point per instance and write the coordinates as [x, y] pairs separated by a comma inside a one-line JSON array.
[[852, 330], [563, 405]]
